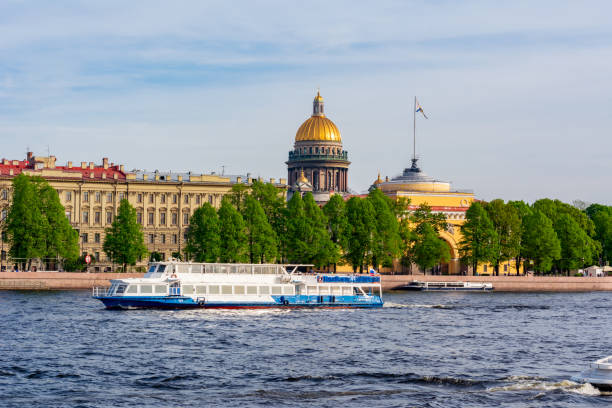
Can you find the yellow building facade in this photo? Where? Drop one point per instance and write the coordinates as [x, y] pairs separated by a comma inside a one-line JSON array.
[[91, 193]]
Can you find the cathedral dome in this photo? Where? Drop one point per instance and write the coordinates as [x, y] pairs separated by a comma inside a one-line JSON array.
[[318, 127]]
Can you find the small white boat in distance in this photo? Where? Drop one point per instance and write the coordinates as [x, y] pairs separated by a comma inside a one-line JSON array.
[[599, 375], [448, 286]]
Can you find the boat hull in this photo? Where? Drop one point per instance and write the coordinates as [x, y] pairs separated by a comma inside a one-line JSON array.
[[183, 302]]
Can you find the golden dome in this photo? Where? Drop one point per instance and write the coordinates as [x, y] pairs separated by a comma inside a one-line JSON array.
[[318, 98], [318, 128]]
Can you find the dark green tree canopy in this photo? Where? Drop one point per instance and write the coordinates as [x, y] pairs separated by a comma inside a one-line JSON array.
[[203, 235], [124, 241], [262, 240], [507, 224], [361, 219], [429, 249], [480, 242], [232, 234], [539, 241], [385, 242]]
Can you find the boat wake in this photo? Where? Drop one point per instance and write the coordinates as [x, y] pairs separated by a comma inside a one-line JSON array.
[[537, 384], [416, 305]]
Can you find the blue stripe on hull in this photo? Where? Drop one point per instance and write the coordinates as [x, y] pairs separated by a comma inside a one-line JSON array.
[[182, 302]]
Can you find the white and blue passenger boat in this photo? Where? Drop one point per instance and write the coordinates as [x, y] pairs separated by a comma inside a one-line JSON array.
[[174, 284]]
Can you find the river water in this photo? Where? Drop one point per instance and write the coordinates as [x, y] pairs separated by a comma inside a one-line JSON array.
[[421, 350]]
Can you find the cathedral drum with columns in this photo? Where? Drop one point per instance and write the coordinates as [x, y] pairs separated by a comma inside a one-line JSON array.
[[317, 162]]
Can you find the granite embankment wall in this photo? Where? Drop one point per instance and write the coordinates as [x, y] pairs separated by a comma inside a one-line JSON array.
[[68, 280], [59, 280], [512, 283]]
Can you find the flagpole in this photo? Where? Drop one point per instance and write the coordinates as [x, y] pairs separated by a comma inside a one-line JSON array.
[[414, 130]]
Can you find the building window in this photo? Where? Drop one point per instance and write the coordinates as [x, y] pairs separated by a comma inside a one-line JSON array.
[[198, 200], [151, 238], [3, 256], [163, 238], [68, 216], [210, 199], [139, 217], [484, 268], [97, 237], [98, 217], [4, 214], [162, 218], [68, 195], [163, 199], [97, 256], [151, 218], [86, 196], [4, 195], [185, 236], [185, 218], [150, 198], [109, 197], [121, 196], [140, 197], [98, 197], [174, 239], [86, 217], [109, 217], [174, 218], [506, 268], [174, 199], [85, 237], [186, 198]]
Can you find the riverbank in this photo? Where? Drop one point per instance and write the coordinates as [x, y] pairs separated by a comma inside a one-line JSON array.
[[511, 283], [78, 280]]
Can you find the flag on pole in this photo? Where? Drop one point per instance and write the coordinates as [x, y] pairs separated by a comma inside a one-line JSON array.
[[420, 109]]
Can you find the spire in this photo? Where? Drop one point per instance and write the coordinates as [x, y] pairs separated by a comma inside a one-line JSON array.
[[317, 105]]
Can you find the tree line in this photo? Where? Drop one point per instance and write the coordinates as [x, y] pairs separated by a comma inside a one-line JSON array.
[[547, 236], [256, 224]]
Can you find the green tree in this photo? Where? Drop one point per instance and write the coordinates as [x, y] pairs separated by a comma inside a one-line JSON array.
[[36, 226], [429, 249], [602, 219], [539, 242], [522, 210], [232, 234], [507, 224], [237, 195], [297, 232], [337, 223], [261, 237], [273, 203], [385, 238], [361, 219], [576, 246], [124, 241], [322, 250], [406, 232], [203, 235], [424, 215], [479, 241]]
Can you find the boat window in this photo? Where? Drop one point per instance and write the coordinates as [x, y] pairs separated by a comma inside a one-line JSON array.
[[336, 290], [161, 268], [152, 268], [183, 268], [146, 289], [311, 290], [324, 290], [120, 289], [264, 290], [188, 289], [251, 290], [276, 290], [196, 268], [356, 291], [161, 289], [213, 290], [238, 290], [347, 290], [201, 290], [132, 289], [226, 289], [287, 290]]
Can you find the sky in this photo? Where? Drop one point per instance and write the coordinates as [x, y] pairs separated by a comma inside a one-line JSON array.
[[518, 94]]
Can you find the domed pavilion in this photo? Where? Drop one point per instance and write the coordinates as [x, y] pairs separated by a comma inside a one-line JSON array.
[[317, 157]]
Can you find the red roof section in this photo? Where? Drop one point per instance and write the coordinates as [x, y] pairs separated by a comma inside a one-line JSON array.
[[37, 164]]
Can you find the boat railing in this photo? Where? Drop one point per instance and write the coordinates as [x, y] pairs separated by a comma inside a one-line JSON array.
[[99, 291], [603, 364]]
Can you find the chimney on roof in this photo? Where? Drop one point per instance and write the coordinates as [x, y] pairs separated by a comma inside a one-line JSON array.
[[103, 175], [272, 180], [91, 165], [179, 177], [69, 165], [115, 176], [121, 168], [282, 181], [105, 162], [238, 179], [144, 176], [5, 162], [30, 155], [83, 165], [52, 162]]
